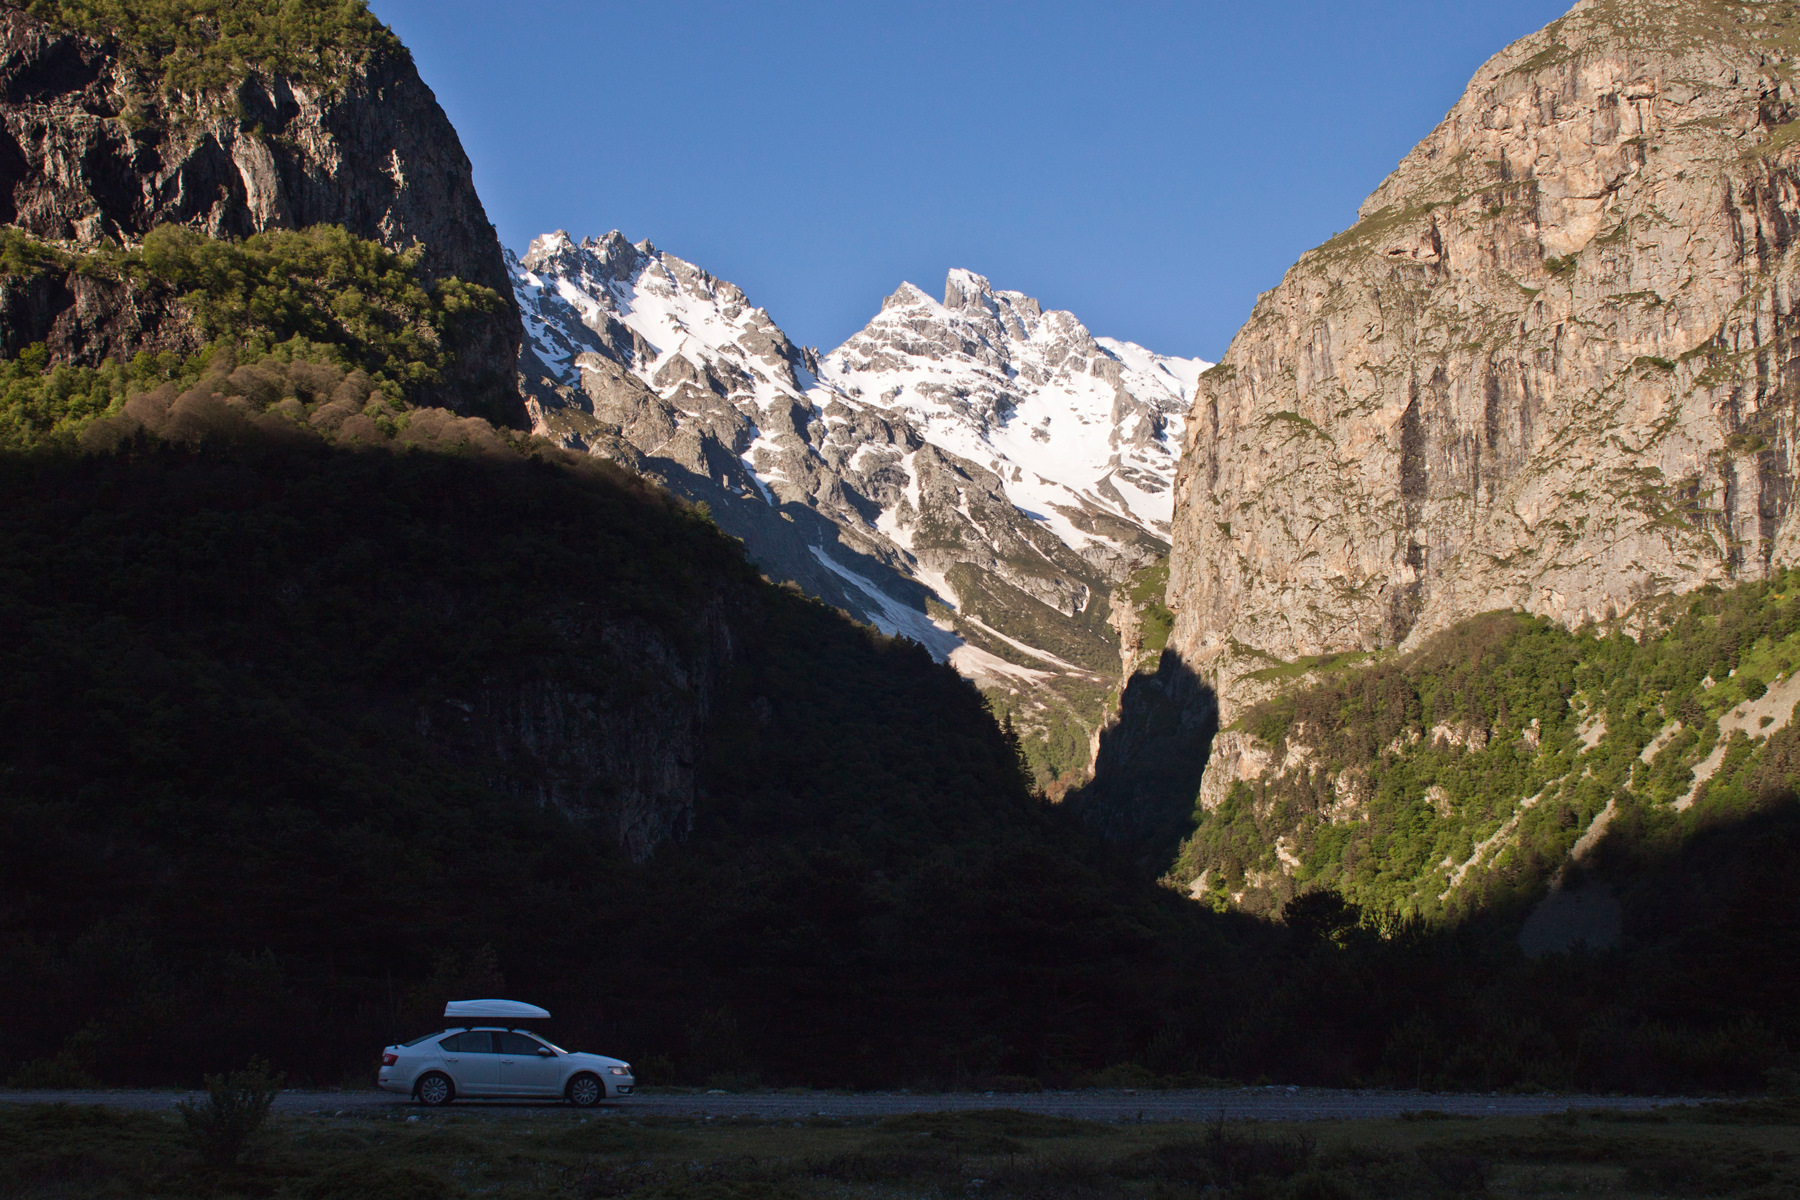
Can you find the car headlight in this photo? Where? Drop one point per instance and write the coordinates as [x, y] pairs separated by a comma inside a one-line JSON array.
[[624, 1070]]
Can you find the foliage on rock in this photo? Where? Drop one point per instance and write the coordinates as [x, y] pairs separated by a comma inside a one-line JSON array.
[[1460, 778], [194, 46], [317, 295]]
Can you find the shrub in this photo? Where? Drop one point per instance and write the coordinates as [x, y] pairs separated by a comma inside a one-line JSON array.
[[237, 1105]]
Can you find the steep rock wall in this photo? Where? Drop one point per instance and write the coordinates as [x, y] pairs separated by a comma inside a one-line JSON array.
[[1552, 367], [621, 750], [91, 150]]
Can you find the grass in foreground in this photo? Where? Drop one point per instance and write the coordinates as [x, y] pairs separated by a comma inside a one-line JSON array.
[[1743, 1150]]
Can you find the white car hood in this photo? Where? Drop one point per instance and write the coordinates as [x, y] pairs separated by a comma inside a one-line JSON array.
[[597, 1060]]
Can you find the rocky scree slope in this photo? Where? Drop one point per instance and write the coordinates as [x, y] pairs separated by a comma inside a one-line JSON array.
[[1551, 367], [976, 474], [111, 125]]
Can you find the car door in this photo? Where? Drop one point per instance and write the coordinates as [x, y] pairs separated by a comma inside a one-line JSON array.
[[524, 1071], [473, 1064]]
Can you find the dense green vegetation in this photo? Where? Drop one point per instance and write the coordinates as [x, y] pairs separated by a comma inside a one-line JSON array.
[[1055, 730], [1730, 1152], [1145, 590], [41, 403], [321, 285], [316, 295], [1457, 779], [193, 46]]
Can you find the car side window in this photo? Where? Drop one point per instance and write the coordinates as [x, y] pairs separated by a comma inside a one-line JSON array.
[[518, 1043], [470, 1042]]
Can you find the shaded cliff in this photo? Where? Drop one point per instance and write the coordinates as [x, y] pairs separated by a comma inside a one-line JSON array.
[[111, 125], [1550, 368]]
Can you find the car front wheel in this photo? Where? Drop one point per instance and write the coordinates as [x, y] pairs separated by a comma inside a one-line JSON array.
[[585, 1091], [435, 1089]]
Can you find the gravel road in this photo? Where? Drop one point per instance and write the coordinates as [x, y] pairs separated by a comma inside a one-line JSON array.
[[1259, 1104]]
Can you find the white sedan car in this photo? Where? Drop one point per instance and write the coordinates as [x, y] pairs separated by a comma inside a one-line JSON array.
[[487, 1059]]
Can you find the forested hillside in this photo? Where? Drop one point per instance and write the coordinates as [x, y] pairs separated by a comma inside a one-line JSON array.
[[317, 294], [1463, 776], [1577, 850], [323, 703], [269, 670]]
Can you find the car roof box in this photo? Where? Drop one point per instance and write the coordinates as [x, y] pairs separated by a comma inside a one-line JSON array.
[[510, 1010]]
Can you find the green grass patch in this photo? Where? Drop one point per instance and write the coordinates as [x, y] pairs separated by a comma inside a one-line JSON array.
[[1311, 664]]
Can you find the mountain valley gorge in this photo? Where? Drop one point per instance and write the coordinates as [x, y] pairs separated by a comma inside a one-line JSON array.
[[1405, 700]]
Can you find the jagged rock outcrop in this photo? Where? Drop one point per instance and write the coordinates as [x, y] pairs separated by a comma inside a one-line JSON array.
[[975, 474], [1552, 367], [85, 319], [92, 150]]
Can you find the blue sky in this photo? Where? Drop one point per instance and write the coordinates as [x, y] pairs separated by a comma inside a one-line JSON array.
[[1149, 166]]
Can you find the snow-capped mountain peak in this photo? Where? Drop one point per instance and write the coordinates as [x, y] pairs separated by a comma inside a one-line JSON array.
[[645, 309], [975, 473], [989, 374]]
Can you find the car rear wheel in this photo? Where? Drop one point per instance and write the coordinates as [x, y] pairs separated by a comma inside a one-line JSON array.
[[585, 1091], [435, 1089]]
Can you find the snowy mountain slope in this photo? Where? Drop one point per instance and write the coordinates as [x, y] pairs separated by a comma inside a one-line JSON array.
[[1083, 423], [975, 474]]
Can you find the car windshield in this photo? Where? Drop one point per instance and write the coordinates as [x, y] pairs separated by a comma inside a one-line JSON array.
[[423, 1037]]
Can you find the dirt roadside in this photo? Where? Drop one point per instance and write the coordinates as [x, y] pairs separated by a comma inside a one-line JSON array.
[[1257, 1104]]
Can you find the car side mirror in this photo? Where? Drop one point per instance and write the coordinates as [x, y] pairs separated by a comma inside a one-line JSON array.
[[544, 1052]]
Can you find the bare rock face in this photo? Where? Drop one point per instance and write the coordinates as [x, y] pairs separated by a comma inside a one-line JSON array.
[[84, 319], [91, 151], [1552, 367]]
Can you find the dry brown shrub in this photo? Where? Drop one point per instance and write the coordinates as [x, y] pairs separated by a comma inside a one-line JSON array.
[[359, 428], [329, 416], [260, 384], [151, 409], [314, 381], [201, 413]]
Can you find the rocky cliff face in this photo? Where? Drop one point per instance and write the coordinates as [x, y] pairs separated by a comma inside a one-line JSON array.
[[93, 150], [1552, 367], [975, 474], [625, 762]]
